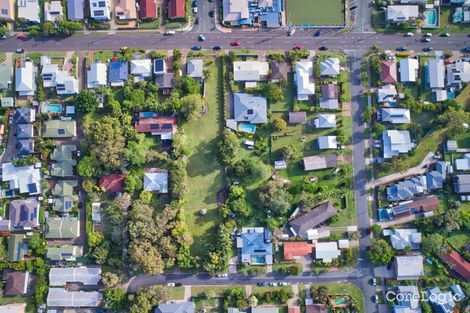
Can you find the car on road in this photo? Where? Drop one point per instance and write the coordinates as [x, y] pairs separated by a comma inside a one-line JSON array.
[[235, 43], [375, 299], [217, 47], [409, 35], [195, 10], [211, 13], [297, 47], [19, 50], [427, 49], [467, 49], [291, 32], [10, 120], [79, 153], [284, 283], [169, 33], [202, 37], [196, 48], [426, 39], [170, 284], [273, 284], [402, 49], [445, 35], [427, 35], [221, 275], [196, 21], [373, 282], [262, 283], [323, 48], [317, 33], [178, 284], [21, 36], [3, 37]]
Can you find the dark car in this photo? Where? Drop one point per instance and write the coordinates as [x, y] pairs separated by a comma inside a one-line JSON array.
[[317, 33], [323, 48], [178, 285], [427, 49], [402, 48], [467, 49], [196, 48], [217, 48], [262, 283], [196, 21], [211, 13], [19, 50]]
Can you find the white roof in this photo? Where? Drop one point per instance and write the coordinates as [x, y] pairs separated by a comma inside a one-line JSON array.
[[303, 73], [97, 75], [156, 182], [142, 68], [402, 13], [249, 70], [326, 251], [194, 68], [408, 70], [234, 10], [22, 177], [409, 267], [66, 85], [13, 308], [327, 142], [386, 93], [49, 74], [409, 301], [439, 95], [458, 72], [330, 67], [395, 115], [100, 12], [396, 142], [403, 238], [29, 10], [325, 121], [343, 244], [464, 163], [53, 10], [25, 80], [60, 276], [436, 73], [59, 297]]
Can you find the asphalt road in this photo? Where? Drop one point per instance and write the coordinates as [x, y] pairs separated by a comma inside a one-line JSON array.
[[206, 23], [262, 40]]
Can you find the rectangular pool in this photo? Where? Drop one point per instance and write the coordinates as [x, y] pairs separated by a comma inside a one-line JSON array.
[[54, 108], [247, 128], [431, 17]]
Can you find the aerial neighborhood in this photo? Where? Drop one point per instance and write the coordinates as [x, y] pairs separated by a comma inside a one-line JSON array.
[[250, 156]]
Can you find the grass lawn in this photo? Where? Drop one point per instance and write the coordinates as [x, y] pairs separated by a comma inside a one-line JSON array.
[[30, 307], [177, 293], [349, 289], [151, 24], [258, 289], [289, 93], [204, 171], [463, 140], [101, 55], [459, 239], [319, 12], [199, 291], [286, 265], [464, 97], [446, 21]]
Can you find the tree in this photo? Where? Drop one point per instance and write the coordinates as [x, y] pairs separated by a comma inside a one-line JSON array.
[[380, 252], [290, 153], [143, 253], [37, 243], [237, 202], [179, 179], [49, 29], [87, 167], [275, 197], [278, 124], [433, 244], [455, 121], [115, 299], [261, 146], [378, 129], [272, 92], [109, 279], [376, 230], [136, 151], [180, 144], [367, 115], [147, 298], [189, 86], [426, 307], [68, 28], [228, 146], [253, 301], [191, 106], [86, 101]]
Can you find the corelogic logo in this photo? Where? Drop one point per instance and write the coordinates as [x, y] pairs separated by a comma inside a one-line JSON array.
[[440, 298]]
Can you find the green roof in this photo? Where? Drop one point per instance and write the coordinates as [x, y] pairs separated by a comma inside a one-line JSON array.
[[62, 229], [59, 129], [6, 76], [15, 247], [63, 152], [64, 204], [63, 168], [64, 188], [67, 253]]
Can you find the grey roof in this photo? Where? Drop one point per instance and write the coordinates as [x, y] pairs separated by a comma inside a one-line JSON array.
[[409, 267], [75, 9], [62, 229], [264, 310], [436, 178], [250, 109], [442, 302], [407, 189], [194, 68], [181, 307], [329, 96], [6, 75], [24, 213], [24, 131], [462, 183], [118, 72], [59, 297], [313, 218], [165, 80], [25, 115], [25, 147], [409, 301], [60, 276]]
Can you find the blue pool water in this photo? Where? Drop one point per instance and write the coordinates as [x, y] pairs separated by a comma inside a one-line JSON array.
[[147, 114], [247, 128], [431, 17], [450, 95], [54, 108], [258, 259], [340, 301]]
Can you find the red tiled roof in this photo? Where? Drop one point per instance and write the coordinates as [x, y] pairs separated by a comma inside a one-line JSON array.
[[458, 264], [296, 248], [176, 9], [388, 75], [293, 309], [155, 124], [113, 182], [148, 9]]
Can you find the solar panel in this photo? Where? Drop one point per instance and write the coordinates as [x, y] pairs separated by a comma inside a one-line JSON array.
[[61, 131], [68, 204], [155, 126], [167, 126], [32, 188], [250, 111]]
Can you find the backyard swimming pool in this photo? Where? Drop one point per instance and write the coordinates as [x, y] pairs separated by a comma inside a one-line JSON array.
[[340, 301], [430, 17], [247, 128], [54, 108]]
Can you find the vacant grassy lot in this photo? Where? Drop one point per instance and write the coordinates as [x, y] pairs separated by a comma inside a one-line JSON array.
[[204, 171], [177, 293], [459, 239], [289, 92], [315, 12], [464, 97], [200, 291]]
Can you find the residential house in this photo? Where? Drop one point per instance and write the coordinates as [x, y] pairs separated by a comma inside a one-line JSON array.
[[435, 179], [16, 283], [24, 131], [60, 129], [442, 302], [64, 187], [163, 126], [420, 2], [6, 76], [272, 13], [63, 162], [25, 115], [293, 309], [176, 9], [13, 308], [280, 164], [24, 214], [26, 79], [409, 267], [62, 298], [407, 189], [86, 276], [126, 10], [434, 74], [327, 142], [439, 95], [387, 93], [17, 247], [327, 251], [194, 69], [113, 183], [280, 71], [26, 179], [52, 77], [53, 11], [25, 146], [299, 117], [100, 10], [68, 253], [388, 73], [5, 226], [329, 96], [457, 291], [156, 180], [294, 250], [304, 79], [179, 307], [28, 10], [7, 12], [236, 13], [256, 246], [395, 115], [316, 308], [424, 206], [147, 9], [7, 102], [409, 69], [141, 69], [397, 14], [62, 229], [409, 301], [462, 183], [159, 66], [302, 225], [165, 82], [250, 71], [396, 142], [319, 162], [325, 121], [118, 73], [343, 244], [75, 10], [458, 73], [264, 309], [97, 76], [403, 238], [249, 108], [458, 265], [463, 164], [330, 67]]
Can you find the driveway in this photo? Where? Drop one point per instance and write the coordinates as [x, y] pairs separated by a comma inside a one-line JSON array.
[[11, 150]]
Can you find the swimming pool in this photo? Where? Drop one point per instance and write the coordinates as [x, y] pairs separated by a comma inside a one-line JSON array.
[[340, 301], [431, 17], [258, 259], [247, 128], [54, 108]]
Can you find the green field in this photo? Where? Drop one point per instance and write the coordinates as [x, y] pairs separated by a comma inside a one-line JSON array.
[[317, 12]]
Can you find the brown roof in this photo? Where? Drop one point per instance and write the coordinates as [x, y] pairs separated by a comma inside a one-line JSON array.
[[318, 162], [388, 74], [296, 249], [313, 218], [165, 80], [316, 308], [15, 283], [329, 91], [155, 124], [425, 204], [280, 70], [24, 213], [148, 9], [176, 9], [458, 264], [293, 309], [113, 182], [297, 117]]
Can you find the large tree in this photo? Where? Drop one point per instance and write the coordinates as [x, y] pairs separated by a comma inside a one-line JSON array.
[[275, 197], [228, 146], [88, 167], [191, 106], [380, 252], [189, 85], [86, 101], [433, 244], [136, 151]]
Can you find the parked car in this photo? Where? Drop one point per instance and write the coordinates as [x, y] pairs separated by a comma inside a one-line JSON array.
[[427, 35], [445, 35], [197, 47], [217, 47], [273, 284], [323, 48], [402, 48], [19, 50], [178, 284], [202, 37], [409, 35], [195, 10], [373, 282], [291, 32], [375, 299], [170, 284], [467, 49], [262, 283], [283, 283], [21, 36], [317, 33], [3, 37], [79, 153], [211, 13], [427, 49], [235, 43], [196, 21], [297, 47], [169, 33], [426, 39]]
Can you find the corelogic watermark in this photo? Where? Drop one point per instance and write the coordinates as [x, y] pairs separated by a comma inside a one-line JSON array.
[[440, 298]]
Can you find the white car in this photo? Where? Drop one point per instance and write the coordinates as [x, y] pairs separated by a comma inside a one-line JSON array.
[[428, 35], [375, 298], [169, 33], [283, 283], [273, 284], [291, 32], [195, 10], [409, 35], [170, 284]]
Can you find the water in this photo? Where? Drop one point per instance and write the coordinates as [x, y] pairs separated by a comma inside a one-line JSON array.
[[431, 17], [340, 301], [258, 259], [54, 108], [247, 128]]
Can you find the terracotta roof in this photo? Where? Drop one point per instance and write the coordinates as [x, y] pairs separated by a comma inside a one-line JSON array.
[[425, 204], [14, 283], [148, 9], [316, 308], [113, 182], [329, 91], [176, 9], [155, 124], [297, 248], [388, 74], [458, 264], [293, 309]]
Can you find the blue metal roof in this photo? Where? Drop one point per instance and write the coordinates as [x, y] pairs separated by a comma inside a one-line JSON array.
[[254, 243], [118, 71]]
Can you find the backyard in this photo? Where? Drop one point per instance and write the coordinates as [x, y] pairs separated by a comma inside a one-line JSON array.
[[319, 12]]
